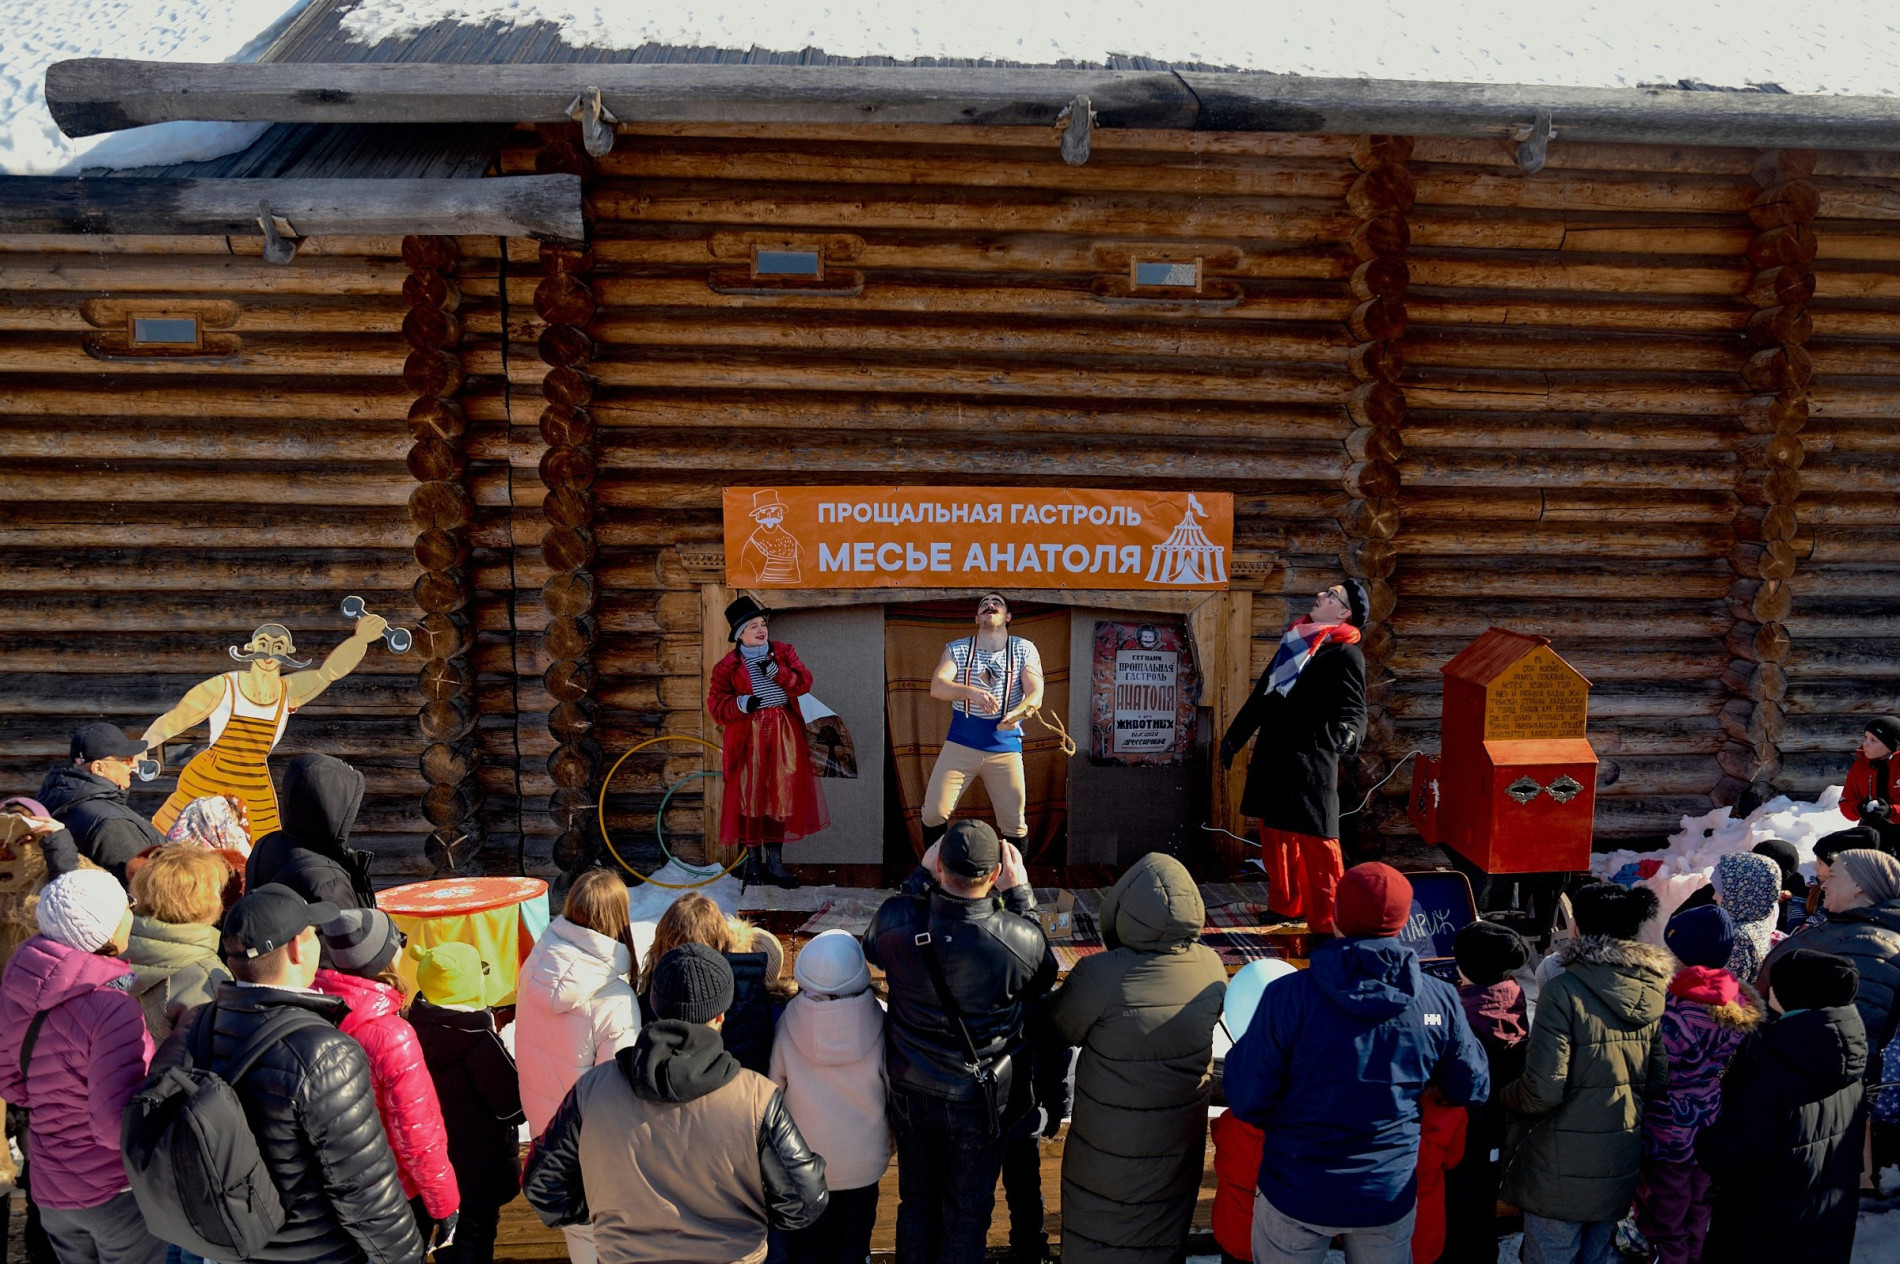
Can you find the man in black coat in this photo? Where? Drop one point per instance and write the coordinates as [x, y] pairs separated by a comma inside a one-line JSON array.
[[309, 1097], [969, 909], [311, 854], [1309, 708], [1784, 1153], [87, 796]]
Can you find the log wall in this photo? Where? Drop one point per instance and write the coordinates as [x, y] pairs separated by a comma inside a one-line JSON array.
[[157, 509]]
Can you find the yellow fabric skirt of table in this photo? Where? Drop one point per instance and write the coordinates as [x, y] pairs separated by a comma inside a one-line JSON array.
[[499, 917]]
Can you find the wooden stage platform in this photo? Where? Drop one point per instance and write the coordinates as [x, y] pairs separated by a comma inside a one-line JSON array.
[[524, 1238]]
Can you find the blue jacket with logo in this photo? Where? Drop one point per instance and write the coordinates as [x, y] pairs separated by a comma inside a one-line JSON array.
[[1332, 1067]]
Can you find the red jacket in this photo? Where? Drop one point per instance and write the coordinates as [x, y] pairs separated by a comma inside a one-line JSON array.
[[1237, 1177], [1441, 1144], [405, 1094], [1860, 787], [730, 679]]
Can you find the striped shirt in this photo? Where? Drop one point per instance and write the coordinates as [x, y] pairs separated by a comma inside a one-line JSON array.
[[762, 669]]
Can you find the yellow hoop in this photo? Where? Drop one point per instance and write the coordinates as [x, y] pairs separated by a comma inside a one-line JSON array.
[[601, 810]]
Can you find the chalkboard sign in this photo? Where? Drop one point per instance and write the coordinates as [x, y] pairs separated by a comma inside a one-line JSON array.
[[1441, 907]]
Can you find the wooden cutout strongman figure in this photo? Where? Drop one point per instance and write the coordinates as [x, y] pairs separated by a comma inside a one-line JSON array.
[[1309, 708]]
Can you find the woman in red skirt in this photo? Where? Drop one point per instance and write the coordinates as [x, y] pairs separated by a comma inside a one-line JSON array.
[[772, 796]]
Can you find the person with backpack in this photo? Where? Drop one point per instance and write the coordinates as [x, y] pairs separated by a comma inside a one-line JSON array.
[[88, 797], [300, 1093], [475, 1081], [73, 1047], [363, 944]]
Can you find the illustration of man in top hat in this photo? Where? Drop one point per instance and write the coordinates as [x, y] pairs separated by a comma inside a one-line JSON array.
[[777, 550]]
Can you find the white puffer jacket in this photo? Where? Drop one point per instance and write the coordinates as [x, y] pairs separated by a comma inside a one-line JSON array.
[[574, 1010]]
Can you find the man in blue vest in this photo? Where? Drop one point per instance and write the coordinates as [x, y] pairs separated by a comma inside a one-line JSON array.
[[993, 682]]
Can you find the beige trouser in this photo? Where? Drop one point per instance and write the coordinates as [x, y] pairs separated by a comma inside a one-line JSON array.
[[1002, 775]]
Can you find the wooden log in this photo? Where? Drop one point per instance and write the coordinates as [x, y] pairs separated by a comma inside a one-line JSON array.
[[510, 206]]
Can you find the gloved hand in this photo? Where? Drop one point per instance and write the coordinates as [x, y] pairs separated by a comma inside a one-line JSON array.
[[444, 1231], [1875, 809], [1228, 749]]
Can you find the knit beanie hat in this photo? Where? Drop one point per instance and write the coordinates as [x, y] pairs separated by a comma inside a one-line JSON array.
[[1488, 953], [1604, 908], [1805, 979], [450, 974], [1874, 872], [361, 941], [1702, 936], [1783, 853], [832, 964], [692, 984], [1372, 899], [1887, 729], [1853, 838], [82, 909]]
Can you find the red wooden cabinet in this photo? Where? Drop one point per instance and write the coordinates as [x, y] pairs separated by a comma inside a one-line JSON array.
[[1513, 789]]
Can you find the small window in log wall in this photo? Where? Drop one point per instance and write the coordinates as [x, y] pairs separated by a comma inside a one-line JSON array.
[[788, 263], [164, 331], [1165, 274]]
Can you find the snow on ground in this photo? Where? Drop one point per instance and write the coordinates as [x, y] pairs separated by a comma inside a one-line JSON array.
[[36, 33], [1836, 46]]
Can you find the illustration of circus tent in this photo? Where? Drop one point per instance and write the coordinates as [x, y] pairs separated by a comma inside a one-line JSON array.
[[1188, 556]]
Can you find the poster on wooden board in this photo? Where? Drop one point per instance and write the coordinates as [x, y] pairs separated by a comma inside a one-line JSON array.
[[1012, 538], [1143, 696]]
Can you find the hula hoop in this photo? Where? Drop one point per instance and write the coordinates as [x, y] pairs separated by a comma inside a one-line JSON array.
[[659, 826], [601, 810]]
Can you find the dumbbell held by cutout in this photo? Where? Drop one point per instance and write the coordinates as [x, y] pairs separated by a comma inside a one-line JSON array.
[[397, 639]]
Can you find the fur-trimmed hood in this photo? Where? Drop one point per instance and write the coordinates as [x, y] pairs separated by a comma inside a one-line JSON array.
[[1630, 978]]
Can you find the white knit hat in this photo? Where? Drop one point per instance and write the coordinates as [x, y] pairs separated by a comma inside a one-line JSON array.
[[82, 909], [832, 963]]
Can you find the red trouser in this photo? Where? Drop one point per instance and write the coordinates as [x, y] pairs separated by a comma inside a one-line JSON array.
[[1302, 873]]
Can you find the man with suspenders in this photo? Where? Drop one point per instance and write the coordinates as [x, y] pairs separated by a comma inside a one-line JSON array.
[[994, 682]]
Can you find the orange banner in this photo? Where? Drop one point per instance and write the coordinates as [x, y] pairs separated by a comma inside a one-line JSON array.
[[976, 537]]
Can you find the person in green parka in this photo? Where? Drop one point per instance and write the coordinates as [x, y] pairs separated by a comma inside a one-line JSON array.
[[1144, 1013], [1595, 1057], [174, 953]]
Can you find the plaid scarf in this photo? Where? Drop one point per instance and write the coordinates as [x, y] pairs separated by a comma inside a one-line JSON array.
[[1298, 646]]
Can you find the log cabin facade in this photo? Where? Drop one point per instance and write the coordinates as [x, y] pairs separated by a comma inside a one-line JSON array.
[[1641, 400]]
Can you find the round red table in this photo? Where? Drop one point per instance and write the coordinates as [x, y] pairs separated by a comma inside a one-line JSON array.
[[499, 917]]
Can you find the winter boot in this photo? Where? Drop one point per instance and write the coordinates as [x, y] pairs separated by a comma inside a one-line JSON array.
[[753, 875], [934, 834], [775, 870]]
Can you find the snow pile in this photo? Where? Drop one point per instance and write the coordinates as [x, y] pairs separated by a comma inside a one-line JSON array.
[[1704, 840], [646, 901], [1877, 1238], [36, 33], [1837, 46]]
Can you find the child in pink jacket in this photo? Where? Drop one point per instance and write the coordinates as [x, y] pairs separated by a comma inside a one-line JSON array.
[[828, 1057], [362, 945], [90, 1051]]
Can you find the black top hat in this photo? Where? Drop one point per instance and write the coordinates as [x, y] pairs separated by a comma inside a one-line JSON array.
[[740, 613]]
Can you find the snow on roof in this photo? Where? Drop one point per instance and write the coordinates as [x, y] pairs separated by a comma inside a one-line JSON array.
[[1835, 46], [36, 33]]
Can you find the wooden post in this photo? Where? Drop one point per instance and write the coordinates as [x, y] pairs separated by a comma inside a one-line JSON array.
[[442, 511], [1769, 455], [1380, 199], [565, 300], [1222, 628]]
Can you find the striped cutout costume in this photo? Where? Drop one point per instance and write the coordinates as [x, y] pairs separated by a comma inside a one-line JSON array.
[[243, 734]]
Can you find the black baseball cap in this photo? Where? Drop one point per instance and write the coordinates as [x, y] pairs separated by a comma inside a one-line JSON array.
[[970, 848], [265, 919], [104, 741]]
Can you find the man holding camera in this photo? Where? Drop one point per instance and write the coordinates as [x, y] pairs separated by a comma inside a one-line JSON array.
[[1868, 796], [963, 954]]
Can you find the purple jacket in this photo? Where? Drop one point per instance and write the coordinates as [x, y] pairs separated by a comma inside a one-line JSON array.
[[1705, 1017], [91, 1055]]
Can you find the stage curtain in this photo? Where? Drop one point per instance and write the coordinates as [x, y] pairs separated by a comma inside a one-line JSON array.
[[914, 637]]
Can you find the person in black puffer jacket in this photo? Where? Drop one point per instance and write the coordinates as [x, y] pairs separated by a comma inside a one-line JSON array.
[[311, 854], [476, 1083], [309, 1097], [972, 903], [1784, 1152], [88, 797]]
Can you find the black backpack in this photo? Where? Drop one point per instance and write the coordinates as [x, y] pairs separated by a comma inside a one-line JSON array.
[[191, 1156]]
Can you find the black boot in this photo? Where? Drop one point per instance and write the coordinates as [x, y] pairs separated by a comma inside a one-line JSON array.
[[775, 869], [934, 834], [753, 874]]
